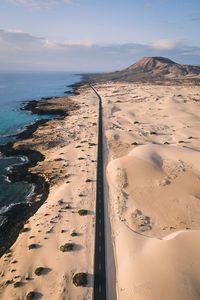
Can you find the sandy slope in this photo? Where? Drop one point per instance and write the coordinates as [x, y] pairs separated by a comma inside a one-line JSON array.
[[153, 142], [54, 222]]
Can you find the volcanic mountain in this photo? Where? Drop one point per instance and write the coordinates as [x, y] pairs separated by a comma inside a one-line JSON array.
[[151, 69]]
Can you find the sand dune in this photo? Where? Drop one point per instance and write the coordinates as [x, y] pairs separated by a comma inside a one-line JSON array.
[[152, 145], [153, 173]]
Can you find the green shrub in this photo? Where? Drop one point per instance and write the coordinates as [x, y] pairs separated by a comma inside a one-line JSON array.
[[83, 212], [33, 246], [74, 233], [39, 271], [30, 296], [67, 247], [80, 279], [25, 229]]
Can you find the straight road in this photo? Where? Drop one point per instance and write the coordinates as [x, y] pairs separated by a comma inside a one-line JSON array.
[[100, 251]]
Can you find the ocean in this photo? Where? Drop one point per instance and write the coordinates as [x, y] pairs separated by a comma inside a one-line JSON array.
[[15, 89]]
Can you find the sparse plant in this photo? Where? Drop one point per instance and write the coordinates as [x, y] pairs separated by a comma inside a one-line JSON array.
[[67, 247], [80, 279], [30, 296], [83, 212], [39, 271]]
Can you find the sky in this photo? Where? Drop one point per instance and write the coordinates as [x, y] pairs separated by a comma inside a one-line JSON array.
[[96, 35]]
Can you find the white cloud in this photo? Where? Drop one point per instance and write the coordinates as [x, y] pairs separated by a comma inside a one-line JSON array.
[[22, 51], [69, 43], [15, 30], [38, 4], [165, 44], [18, 40]]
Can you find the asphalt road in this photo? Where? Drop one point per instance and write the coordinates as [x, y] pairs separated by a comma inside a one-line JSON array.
[[100, 252]]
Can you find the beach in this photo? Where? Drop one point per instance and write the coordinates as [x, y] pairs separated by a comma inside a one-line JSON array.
[[69, 167], [151, 154]]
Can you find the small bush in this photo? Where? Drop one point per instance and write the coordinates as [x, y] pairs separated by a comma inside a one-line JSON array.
[[31, 295], [80, 279], [39, 271], [33, 246], [8, 282], [67, 206], [67, 247], [60, 202], [83, 212], [74, 233], [88, 180], [25, 229], [17, 284]]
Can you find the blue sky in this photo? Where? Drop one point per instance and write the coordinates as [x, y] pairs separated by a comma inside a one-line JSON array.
[[94, 35]]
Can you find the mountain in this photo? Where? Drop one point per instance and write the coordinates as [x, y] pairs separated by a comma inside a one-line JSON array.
[[151, 69]]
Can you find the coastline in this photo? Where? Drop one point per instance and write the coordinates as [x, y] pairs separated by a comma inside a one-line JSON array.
[[18, 213], [69, 146]]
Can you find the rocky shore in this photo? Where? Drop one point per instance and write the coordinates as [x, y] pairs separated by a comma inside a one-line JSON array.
[[62, 157], [30, 144]]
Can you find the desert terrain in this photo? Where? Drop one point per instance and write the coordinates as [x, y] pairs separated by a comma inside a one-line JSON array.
[[153, 172], [152, 164]]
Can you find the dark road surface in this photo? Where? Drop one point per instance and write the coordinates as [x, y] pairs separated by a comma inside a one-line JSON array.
[[100, 252]]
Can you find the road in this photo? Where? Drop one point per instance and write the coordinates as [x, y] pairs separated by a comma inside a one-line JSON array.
[[100, 247]]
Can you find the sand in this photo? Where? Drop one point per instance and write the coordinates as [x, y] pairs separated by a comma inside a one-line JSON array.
[[153, 142], [152, 161], [70, 168]]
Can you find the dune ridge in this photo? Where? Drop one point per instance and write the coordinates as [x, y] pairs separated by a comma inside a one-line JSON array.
[[153, 146]]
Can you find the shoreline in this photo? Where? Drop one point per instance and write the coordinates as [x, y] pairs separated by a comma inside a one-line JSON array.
[[69, 146], [19, 213]]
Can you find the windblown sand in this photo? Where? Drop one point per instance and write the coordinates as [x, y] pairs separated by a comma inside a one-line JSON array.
[[153, 143]]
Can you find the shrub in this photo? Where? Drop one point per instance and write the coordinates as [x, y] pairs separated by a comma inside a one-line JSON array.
[[83, 212], [88, 180], [67, 247], [25, 229], [31, 295], [74, 233], [33, 246], [39, 271], [17, 284], [80, 279]]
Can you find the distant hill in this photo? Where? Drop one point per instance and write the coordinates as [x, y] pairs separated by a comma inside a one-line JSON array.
[[151, 69]]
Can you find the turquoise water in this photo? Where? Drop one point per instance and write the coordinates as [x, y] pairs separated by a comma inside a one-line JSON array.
[[15, 88], [18, 87]]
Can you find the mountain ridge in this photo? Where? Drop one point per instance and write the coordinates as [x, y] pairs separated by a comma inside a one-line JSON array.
[[155, 68]]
